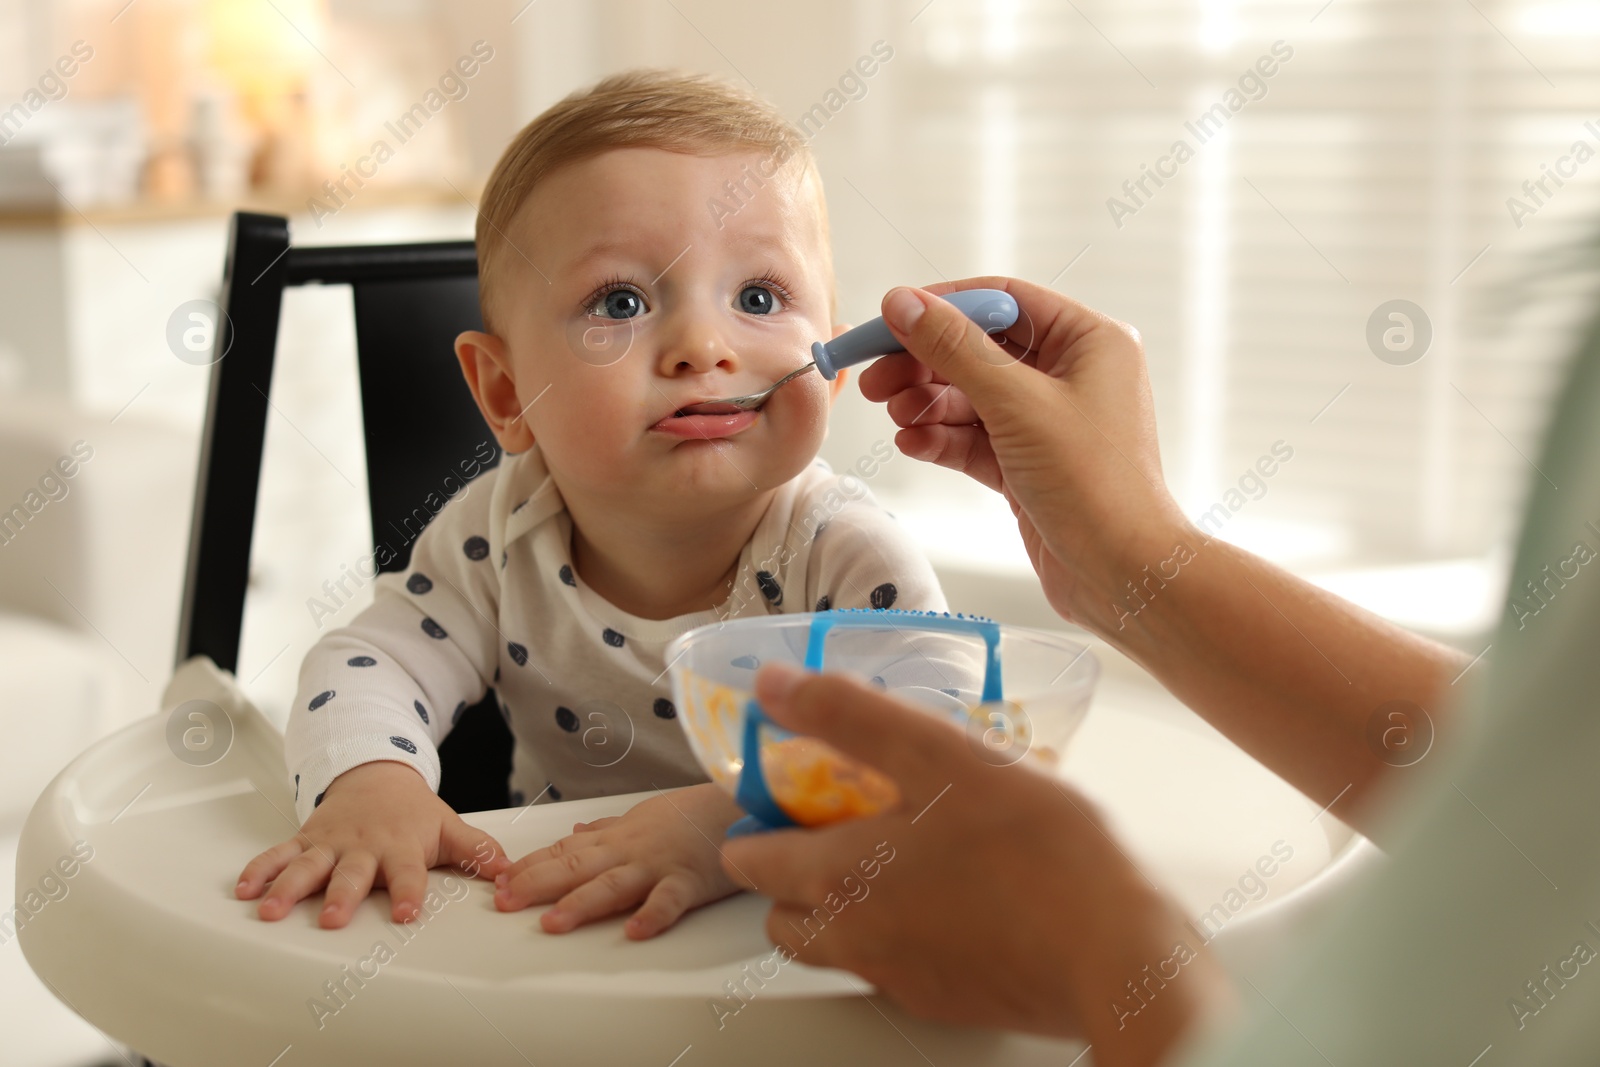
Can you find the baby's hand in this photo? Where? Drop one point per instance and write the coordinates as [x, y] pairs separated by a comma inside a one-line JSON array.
[[378, 824], [665, 852]]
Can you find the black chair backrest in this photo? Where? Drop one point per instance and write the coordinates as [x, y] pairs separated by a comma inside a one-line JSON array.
[[421, 427]]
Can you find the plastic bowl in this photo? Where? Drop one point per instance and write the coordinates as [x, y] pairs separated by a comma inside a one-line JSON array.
[[1018, 694]]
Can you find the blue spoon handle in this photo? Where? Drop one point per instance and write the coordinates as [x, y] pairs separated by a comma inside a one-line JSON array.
[[993, 309]]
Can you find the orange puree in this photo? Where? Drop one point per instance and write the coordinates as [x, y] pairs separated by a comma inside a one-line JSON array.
[[815, 785]]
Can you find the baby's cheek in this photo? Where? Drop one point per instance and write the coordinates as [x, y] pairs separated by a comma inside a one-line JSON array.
[[809, 406]]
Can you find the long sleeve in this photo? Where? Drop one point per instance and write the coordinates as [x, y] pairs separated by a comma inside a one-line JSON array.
[[391, 684]]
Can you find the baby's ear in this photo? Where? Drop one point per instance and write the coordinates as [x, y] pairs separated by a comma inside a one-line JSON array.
[[838, 382], [486, 364]]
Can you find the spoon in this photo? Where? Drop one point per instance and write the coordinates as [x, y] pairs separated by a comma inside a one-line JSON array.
[[993, 309]]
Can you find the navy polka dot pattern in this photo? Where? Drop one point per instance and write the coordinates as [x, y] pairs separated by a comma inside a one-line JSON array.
[[317, 801], [522, 610]]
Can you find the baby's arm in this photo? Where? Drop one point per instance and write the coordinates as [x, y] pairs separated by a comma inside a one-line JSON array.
[[379, 693], [664, 852]]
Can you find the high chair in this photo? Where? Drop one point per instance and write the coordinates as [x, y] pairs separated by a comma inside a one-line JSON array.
[[126, 866]]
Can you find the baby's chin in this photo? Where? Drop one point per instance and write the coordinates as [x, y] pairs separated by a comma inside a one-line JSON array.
[[734, 467]]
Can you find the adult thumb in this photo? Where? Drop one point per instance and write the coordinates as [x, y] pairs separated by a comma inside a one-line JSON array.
[[957, 349]]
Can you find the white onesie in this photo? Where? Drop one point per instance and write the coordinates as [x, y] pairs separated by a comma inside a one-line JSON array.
[[491, 599]]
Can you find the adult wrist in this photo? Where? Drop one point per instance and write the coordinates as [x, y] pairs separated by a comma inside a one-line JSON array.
[[1134, 569]]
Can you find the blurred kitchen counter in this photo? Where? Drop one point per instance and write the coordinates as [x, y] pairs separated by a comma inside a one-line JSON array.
[[372, 197]]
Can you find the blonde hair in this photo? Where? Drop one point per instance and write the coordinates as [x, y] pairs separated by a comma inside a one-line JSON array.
[[672, 110]]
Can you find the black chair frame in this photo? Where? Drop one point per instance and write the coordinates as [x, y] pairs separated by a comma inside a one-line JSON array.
[[418, 419]]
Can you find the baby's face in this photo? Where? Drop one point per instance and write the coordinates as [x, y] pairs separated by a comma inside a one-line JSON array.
[[624, 302]]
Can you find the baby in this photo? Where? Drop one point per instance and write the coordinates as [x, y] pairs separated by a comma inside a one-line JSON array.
[[644, 247]]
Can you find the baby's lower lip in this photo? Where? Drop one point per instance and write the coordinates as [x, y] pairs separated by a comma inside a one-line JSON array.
[[706, 427]]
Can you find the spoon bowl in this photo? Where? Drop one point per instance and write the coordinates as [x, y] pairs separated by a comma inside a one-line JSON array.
[[753, 401]]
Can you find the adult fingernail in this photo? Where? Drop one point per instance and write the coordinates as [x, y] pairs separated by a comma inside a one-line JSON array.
[[500, 879], [902, 309], [776, 682]]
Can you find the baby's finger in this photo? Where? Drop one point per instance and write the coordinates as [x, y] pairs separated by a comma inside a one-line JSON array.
[[665, 905], [265, 867], [305, 874], [562, 851], [540, 883], [348, 886], [615, 890], [469, 849], [407, 879]]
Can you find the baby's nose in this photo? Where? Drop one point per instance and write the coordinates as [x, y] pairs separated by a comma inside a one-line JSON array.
[[698, 347]]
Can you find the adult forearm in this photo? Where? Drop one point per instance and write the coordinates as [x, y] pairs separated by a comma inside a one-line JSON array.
[[1293, 674]]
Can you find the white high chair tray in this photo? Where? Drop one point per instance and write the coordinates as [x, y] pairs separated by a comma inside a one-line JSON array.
[[149, 944]]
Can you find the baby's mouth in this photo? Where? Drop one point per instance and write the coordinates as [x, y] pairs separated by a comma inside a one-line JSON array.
[[709, 407]]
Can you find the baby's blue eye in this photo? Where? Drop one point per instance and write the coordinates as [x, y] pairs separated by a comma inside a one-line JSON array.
[[757, 300], [619, 304]]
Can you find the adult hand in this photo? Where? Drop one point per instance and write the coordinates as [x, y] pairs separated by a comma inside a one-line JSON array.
[[989, 895], [1055, 413], [1058, 417]]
